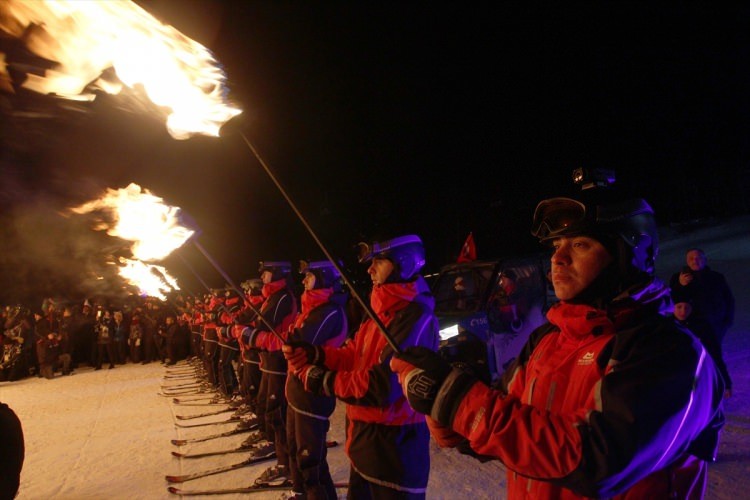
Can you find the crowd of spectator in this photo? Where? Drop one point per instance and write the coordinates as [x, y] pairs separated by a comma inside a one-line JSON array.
[[60, 336]]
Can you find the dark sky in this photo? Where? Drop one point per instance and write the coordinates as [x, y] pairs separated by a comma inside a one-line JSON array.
[[382, 119]]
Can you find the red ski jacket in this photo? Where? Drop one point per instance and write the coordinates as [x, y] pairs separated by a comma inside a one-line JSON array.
[[618, 403], [387, 441]]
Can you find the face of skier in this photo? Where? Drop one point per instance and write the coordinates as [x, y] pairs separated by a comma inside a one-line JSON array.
[[695, 260], [576, 262], [308, 281], [682, 310], [266, 277], [379, 270]]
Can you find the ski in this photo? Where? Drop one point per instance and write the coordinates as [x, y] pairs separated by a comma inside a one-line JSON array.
[[199, 402], [199, 439], [181, 377], [247, 489], [238, 449], [197, 399], [202, 424], [187, 392], [195, 475], [204, 414], [190, 385], [211, 453], [186, 369]]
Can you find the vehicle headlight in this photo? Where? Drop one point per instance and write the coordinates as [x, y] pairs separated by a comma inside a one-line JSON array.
[[449, 332]]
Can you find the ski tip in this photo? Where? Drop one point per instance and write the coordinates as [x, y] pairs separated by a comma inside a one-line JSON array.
[[331, 443], [177, 454], [178, 442], [174, 490], [172, 479]]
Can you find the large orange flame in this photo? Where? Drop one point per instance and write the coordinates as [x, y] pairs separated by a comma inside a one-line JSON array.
[[153, 227], [84, 38]]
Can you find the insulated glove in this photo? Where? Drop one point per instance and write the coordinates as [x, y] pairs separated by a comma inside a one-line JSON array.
[[299, 353], [431, 385], [317, 380], [421, 372]]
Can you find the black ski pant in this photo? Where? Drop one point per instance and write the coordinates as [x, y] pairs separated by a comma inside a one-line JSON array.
[[275, 414], [227, 375], [306, 441], [210, 356]]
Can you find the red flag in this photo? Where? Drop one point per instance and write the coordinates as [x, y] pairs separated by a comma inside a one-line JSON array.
[[468, 251]]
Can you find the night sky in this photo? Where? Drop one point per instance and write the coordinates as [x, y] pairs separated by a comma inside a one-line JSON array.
[[383, 119]]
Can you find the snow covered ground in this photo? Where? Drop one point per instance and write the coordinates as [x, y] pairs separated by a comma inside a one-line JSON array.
[[106, 434]]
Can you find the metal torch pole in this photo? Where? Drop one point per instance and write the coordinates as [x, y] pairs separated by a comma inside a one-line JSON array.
[[356, 295], [236, 289]]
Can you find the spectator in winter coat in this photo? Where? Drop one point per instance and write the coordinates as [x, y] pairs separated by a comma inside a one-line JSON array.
[[105, 339], [387, 441], [18, 344], [12, 452], [150, 332], [121, 334], [322, 322], [171, 341], [701, 329], [610, 398], [66, 340], [135, 336], [707, 290], [48, 347]]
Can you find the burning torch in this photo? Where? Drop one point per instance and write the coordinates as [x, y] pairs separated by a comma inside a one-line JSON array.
[[179, 75]]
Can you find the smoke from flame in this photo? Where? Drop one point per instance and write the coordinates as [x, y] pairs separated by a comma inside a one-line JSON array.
[[83, 38]]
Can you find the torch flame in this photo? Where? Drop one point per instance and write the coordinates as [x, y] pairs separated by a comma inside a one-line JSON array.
[[152, 226], [86, 37], [151, 280], [140, 217]]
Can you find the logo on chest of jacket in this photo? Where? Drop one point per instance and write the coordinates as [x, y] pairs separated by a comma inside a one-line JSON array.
[[586, 359]]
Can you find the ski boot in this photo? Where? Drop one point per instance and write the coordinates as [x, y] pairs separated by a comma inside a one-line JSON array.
[[263, 449], [274, 476]]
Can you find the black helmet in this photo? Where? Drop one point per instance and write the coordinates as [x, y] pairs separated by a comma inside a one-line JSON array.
[[632, 221], [278, 269], [406, 253], [326, 274]]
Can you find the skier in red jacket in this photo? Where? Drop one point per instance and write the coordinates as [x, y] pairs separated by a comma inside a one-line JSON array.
[[387, 442], [610, 398]]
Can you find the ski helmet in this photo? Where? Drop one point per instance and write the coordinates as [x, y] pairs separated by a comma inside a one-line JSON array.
[[326, 274], [631, 221], [406, 253], [278, 269]]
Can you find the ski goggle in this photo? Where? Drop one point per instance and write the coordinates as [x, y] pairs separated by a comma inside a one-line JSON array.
[[367, 252], [267, 265], [321, 265], [558, 217]]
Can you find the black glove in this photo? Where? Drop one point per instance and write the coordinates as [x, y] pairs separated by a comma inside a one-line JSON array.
[[430, 384], [317, 380], [299, 353]]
